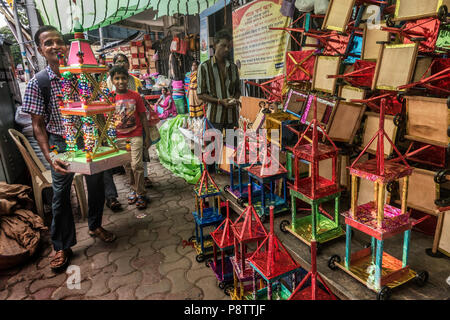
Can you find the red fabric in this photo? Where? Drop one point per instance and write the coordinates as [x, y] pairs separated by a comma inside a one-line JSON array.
[[293, 70], [183, 46], [128, 107], [366, 80], [428, 28], [335, 44]]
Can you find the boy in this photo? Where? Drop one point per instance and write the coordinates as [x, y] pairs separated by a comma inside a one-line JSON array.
[[48, 130], [130, 119]]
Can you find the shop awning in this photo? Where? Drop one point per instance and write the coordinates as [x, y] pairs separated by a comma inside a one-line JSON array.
[[100, 13]]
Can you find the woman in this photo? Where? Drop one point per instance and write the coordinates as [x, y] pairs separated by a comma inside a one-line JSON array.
[[195, 104], [165, 106]]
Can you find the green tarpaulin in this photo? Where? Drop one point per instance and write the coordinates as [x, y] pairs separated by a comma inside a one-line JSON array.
[[174, 153], [100, 13]]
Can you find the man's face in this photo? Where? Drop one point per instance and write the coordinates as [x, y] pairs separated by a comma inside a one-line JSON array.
[[120, 81], [121, 61], [50, 44], [222, 48]]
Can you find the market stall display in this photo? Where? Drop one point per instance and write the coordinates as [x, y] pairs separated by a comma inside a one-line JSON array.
[[88, 112]]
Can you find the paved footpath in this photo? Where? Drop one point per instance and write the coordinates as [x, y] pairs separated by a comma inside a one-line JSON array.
[[147, 261]]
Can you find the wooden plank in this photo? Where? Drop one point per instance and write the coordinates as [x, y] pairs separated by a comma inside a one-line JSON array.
[[371, 126], [416, 9], [427, 120], [325, 66], [395, 66], [360, 255], [370, 47], [421, 191], [422, 65], [346, 121], [348, 93], [393, 276], [338, 15]]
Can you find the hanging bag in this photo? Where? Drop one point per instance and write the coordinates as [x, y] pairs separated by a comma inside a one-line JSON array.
[[287, 8], [304, 5], [321, 6], [175, 44]]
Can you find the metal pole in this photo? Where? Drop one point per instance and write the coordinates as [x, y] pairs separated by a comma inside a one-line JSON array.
[[21, 43], [34, 26], [102, 42]]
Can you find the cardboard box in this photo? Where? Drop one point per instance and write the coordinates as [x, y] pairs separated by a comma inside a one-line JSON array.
[[141, 49], [134, 50], [142, 61], [134, 61], [147, 43], [141, 55]]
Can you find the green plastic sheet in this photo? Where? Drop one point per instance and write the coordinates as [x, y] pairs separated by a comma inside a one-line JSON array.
[[174, 153], [94, 14]]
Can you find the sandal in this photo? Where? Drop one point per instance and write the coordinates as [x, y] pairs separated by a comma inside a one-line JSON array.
[[104, 235], [141, 202], [61, 259], [113, 204], [132, 197], [147, 182]]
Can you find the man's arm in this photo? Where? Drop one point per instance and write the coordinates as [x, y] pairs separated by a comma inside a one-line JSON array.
[[40, 134]]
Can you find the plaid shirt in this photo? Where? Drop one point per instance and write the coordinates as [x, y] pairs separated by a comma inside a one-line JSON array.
[[33, 103]]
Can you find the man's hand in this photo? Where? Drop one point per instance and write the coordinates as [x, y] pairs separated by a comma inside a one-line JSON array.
[[229, 103], [60, 166]]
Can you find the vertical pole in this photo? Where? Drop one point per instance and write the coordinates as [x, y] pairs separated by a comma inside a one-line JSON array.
[[223, 264], [381, 193], [23, 51], [231, 178], [336, 211], [373, 248], [254, 284], [354, 196], [348, 245], [313, 269], [269, 290], [100, 33], [406, 239], [314, 214], [34, 26], [375, 191], [405, 193], [240, 179], [215, 254], [314, 166], [378, 264], [293, 211], [380, 151]]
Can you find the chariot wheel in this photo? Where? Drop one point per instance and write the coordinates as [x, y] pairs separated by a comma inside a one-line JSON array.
[[439, 177], [228, 289], [225, 189], [208, 263], [191, 239], [200, 258], [222, 285], [384, 293], [240, 201], [332, 262], [389, 21], [442, 13], [283, 225], [421, 278]]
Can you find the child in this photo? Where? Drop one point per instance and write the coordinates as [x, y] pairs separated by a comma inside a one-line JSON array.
[[130, 120]]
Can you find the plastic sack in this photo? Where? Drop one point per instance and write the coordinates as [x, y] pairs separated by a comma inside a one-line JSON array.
[[287, 8], [321, 6], [174, 153], [304, 5]]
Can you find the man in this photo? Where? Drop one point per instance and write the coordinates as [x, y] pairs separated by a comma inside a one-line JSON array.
[[49, 130], [219, 84]]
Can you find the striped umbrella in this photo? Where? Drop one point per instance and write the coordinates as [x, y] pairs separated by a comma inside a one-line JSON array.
[[94, 14]]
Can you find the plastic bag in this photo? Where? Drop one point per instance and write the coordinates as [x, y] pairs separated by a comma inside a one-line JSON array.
[[287, 8], [321, 6], [304, 5], [175, 154]]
